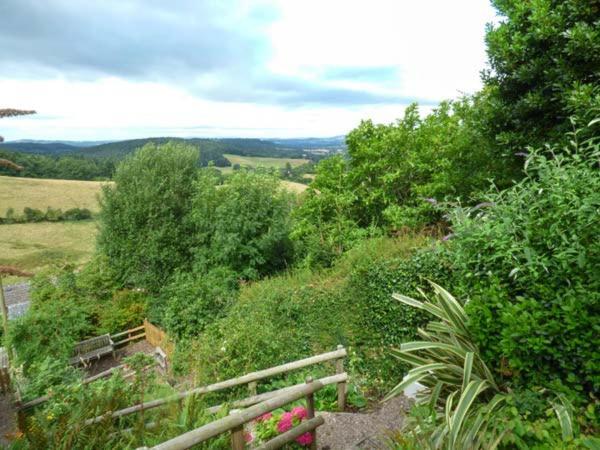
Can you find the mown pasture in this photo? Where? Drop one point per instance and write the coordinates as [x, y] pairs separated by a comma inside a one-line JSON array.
[[18, 193], [255, 161]]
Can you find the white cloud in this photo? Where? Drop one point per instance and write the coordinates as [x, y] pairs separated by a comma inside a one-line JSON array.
[[434, 47]]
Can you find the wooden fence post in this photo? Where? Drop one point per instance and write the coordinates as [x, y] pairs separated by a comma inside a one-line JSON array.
[[21, 417], [237, 435], [252, 387], [310, 413], [341, 387]]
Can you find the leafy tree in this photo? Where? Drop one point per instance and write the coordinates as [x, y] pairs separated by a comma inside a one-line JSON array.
[[545, 63], [394, 174], [144, 230], [324, 226], [242, 225]]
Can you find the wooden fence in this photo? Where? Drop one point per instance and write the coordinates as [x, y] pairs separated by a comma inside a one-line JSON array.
[[133, 334], [251, 379], [234, 423], [158, 338]]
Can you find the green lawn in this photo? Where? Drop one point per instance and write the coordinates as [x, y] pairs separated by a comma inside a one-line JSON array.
[[35, 246]]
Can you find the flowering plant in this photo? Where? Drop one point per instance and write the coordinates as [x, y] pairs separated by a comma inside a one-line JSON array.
[[270, 425]]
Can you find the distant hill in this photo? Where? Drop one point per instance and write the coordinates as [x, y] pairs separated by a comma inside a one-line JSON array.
[[50, 148], [71, 143], [332, 143], [211, 150], [210, 147]]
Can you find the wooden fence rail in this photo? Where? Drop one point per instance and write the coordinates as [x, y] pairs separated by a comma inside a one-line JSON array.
[[234, 423], [252, 377], [132, 334]]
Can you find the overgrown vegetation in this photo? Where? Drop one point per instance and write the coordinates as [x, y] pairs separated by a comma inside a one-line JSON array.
[[245, 276]]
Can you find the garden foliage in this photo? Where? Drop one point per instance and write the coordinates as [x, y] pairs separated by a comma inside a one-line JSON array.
[[298, 314], [529, 262]]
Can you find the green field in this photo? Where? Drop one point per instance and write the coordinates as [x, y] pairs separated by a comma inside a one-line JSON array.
[[255, 161], [35, 246], [18, 193]]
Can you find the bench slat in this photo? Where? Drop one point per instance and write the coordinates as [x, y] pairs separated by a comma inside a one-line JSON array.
[[92, 348]]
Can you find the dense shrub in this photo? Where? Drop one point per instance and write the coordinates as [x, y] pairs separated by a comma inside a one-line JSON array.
[[144, 231], [300, 313], [384, 321], [55, 321], [127, 309], [77, 214], [323, 225], [242, 225], [529, 260], [68, 307], [191, 301], [462, 405], [33, 215]]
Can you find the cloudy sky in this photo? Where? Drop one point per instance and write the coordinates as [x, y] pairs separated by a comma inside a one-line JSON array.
[[120, 69]]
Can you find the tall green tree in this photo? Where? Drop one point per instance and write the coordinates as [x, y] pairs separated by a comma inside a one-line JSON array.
[[544, 58], [242, 225], [144, 228]]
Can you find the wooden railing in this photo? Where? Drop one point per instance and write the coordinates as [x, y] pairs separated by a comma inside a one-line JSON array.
[[251, 379], [132, 334], [234, 423], [4, 371]]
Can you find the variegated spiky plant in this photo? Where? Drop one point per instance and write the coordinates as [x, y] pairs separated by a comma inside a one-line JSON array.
[[459, 387]]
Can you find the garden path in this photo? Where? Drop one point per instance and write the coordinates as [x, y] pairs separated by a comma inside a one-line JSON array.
[[7, 419], [358, 431]]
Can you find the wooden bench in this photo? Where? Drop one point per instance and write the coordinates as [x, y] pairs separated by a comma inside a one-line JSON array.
[[93, 348]]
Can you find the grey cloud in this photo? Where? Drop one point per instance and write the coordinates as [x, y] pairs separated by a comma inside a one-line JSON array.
[[182, 42], [137, 38]]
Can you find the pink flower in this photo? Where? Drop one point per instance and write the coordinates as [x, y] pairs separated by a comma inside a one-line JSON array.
[[299, 412], [304, 439], [248, 437], [264, 417], [285, 423]]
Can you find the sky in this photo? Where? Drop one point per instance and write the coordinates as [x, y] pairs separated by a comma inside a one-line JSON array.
[[121, 69]]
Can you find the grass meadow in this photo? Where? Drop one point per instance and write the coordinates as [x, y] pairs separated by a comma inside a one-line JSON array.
[[36, 246], [18, 193], [255, 161]]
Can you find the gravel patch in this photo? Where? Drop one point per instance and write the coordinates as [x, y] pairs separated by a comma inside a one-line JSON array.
[[351, 431]]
